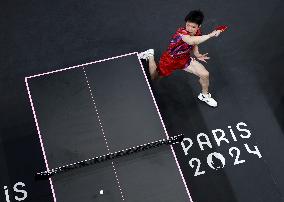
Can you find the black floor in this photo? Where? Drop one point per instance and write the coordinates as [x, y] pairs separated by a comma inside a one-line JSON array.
[[245, 70]]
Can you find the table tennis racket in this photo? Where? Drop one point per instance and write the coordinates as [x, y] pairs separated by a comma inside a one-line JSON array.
[[222, 28]]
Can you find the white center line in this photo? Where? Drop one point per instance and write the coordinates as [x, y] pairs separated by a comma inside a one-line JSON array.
[[102, 129]]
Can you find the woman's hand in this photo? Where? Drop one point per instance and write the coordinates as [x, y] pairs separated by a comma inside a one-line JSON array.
[[215, 33], [203, 57]]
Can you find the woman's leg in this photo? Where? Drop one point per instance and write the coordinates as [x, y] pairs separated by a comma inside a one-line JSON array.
[[149, 55], [153, 68], [199, 70]]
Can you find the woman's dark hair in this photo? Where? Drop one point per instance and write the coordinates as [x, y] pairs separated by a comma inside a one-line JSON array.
[[195, 16]]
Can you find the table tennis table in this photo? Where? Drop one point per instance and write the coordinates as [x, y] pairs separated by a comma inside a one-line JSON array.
[[97, 108]]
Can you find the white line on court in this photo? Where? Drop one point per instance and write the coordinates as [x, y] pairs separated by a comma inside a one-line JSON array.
[[102, 129], [166, 132], [82, 65], [40, 138]]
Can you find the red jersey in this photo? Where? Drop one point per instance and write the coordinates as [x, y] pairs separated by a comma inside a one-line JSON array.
[[177, 47], [177, 55]]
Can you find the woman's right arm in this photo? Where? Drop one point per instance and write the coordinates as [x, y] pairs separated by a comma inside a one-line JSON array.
[[195, 40]]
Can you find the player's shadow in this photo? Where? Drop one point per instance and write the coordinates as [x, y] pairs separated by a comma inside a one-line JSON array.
[[180, 110]]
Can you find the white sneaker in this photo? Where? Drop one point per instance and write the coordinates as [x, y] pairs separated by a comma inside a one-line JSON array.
[[146, 54], [207, 99]]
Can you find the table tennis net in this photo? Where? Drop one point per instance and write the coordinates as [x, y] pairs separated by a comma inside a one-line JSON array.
[[99, 159]]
